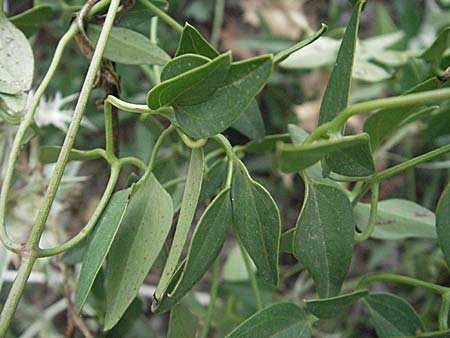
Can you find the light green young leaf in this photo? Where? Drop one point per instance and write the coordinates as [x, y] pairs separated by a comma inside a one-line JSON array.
[[188, 206], [443, 223], [191, 87], [192, 41], [324, 237], [129, 47], [234, 269], [397, 219], [182, 323], [16, 61], [100, 244], [30, 20], [283, 55], [335, 306], [141, 237], [244, 80], [250, 123], [354, 149], [205, 246], [386, 121], [282, 320], [257, 221], [337, 92], [392, 316]]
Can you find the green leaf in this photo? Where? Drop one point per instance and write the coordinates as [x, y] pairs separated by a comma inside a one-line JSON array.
[[335, 98], [141, 237], [436, 51], [250, 123], [129, 47], [30, 20], [286, 241], [392, 316], [397, 219], [443, 223], [205, 246], [324, 236], [257, 221], [188, 207], [283, 55], [192, 41], [335, 306], [243, 81], [182, 323], [191, 87], [16, 62], [182, 64], [234, 269], [282, 320], [213, 179], [100, 244], [386, 121], [49, 154], [15, 103], [352, 155]]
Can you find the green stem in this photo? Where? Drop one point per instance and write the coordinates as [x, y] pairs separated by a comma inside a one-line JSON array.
[[193, 144], [225, 144], [156, 147], [162, 15], [361, 237], [389, 277], [339, 121], [136, 108], [173, 182], [218, 22], [212, 299], [8, 118], [378, 177], [29, 250], [115, 171], [250, 272], [27, 121], [443, 312], [154, 39], [133, 161]]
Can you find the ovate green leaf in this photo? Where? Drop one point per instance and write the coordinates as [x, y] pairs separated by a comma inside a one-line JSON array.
[[258, 224], [282, 320], [443, 223], [191, 87], [182, 323], [324, 236], [436, 51], [334, 306], [392, 316], [100, 244], [182, 64], [243, 81], [250, 123], [397, 219], [141, 237], [192, 41], [129, 47]]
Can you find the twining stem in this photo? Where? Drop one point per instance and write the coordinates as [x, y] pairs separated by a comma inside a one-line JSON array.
[[443, 312], [389, 277], [218, 22], [30, 249], [392, 102], [361, 237], [27, 121], [136, 108], [193, 144], [212, 299], [162, 15], [114, 176]]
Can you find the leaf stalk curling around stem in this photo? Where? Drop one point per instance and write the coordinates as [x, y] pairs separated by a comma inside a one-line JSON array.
[[29, 250], [361, 237]]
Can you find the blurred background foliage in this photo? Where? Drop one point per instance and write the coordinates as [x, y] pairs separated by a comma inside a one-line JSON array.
[[392, 36]]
